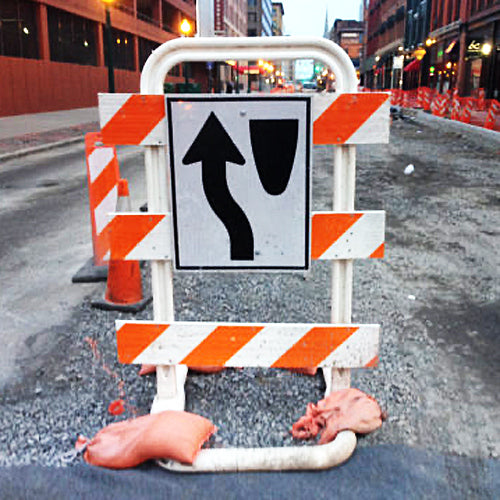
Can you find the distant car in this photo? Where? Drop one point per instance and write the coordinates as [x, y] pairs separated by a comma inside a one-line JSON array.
[[309, 86]]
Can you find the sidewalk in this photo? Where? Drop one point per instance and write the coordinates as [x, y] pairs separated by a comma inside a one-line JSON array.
[[24, 134]]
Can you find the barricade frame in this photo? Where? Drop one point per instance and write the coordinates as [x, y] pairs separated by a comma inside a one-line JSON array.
[[170, 379]]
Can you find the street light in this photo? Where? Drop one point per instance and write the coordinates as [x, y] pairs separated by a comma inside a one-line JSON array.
[[185, 28], [486, 49], [109, 47]]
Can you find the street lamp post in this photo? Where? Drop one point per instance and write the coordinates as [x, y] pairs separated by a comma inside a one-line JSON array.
[[109, 47], [185, 30]]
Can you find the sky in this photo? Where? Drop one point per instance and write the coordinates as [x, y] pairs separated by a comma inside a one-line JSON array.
[[307, 17]]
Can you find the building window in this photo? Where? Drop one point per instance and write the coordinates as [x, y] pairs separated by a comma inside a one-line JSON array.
[[252, 3], [123, 50], [146, 11], [145, 48], [171, 18], [18, 29], [175, 71], [252, 17], [71, 38]]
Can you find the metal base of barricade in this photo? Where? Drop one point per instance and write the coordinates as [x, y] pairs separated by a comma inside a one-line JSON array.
[[284, 458]]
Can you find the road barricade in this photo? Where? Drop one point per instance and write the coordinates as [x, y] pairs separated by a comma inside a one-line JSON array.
[[439, 106], [103, 174], [341, 120], [466, 114], [455, 108], [481, 100], [124, 284], [493, 114], [476, 109]]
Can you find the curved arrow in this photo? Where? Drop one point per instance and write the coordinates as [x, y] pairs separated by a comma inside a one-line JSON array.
[[214, 148]]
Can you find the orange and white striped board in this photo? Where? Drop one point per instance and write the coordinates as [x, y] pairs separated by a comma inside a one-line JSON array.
[[360, 118], [335, 235], [348, 235], [103, 174], [275, 345]]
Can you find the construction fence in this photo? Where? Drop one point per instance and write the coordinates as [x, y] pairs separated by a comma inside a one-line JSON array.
[[474, 110]]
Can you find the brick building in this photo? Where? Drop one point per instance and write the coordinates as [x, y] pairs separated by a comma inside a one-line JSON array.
[[384, 43], [464, 46], [230, 20], [349, 35], [53, 56]]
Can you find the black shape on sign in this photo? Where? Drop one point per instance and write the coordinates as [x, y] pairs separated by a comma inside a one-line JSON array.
[[274, 144], [213, 148]]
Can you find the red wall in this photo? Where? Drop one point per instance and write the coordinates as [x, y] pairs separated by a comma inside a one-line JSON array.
[[34, 86]]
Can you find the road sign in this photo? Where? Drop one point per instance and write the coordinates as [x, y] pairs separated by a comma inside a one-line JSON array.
[[240, 181]]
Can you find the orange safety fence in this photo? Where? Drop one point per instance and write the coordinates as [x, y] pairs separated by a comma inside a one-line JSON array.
[[475, 109]]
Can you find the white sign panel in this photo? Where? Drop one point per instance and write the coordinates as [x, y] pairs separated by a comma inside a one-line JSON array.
[[240, 171], [397, 62]]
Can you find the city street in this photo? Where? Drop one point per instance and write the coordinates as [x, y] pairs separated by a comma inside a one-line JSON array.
[[436, 295], [45, 226]]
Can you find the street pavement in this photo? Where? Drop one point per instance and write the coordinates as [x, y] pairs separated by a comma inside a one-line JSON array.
[[380, 472], [24, 134]]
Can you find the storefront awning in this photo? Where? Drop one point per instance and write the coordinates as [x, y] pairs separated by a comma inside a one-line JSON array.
[[413, 66]]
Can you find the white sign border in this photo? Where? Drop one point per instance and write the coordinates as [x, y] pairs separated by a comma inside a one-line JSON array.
[[169, 99]]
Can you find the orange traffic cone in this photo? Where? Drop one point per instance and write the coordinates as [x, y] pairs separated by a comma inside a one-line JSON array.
[[124, 285]]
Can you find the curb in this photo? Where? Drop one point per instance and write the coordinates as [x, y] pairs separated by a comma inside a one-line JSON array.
[[38, 149], [456, 126]]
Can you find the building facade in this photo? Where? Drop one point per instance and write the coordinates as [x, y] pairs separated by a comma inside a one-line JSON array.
[[260, 18], [349, 35], [230, 17], [278, 13], [384, 43], [464, 46], [53, 52]]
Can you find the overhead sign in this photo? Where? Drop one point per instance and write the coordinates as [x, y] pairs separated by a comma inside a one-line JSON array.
[[240, 170]]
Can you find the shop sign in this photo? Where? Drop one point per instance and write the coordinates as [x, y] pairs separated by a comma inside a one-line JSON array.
[[474, 48]]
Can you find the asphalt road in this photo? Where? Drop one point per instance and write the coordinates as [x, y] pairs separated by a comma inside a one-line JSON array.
[[45, 228]]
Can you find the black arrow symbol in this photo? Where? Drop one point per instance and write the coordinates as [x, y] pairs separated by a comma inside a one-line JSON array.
[[213, 147]]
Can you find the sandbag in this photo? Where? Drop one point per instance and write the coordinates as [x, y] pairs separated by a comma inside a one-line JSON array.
[[347, 409], [148, 369], [305, 371], [177, 435]]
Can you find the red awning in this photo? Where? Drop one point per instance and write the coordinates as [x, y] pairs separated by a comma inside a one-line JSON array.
[[413, 66]]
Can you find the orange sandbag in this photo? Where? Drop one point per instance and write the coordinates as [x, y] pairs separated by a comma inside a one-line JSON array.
[[305, 371], [347, 409], [147, 369], [177, 435]]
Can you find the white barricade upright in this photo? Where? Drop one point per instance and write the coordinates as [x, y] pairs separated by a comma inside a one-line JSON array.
[[236, 230]]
